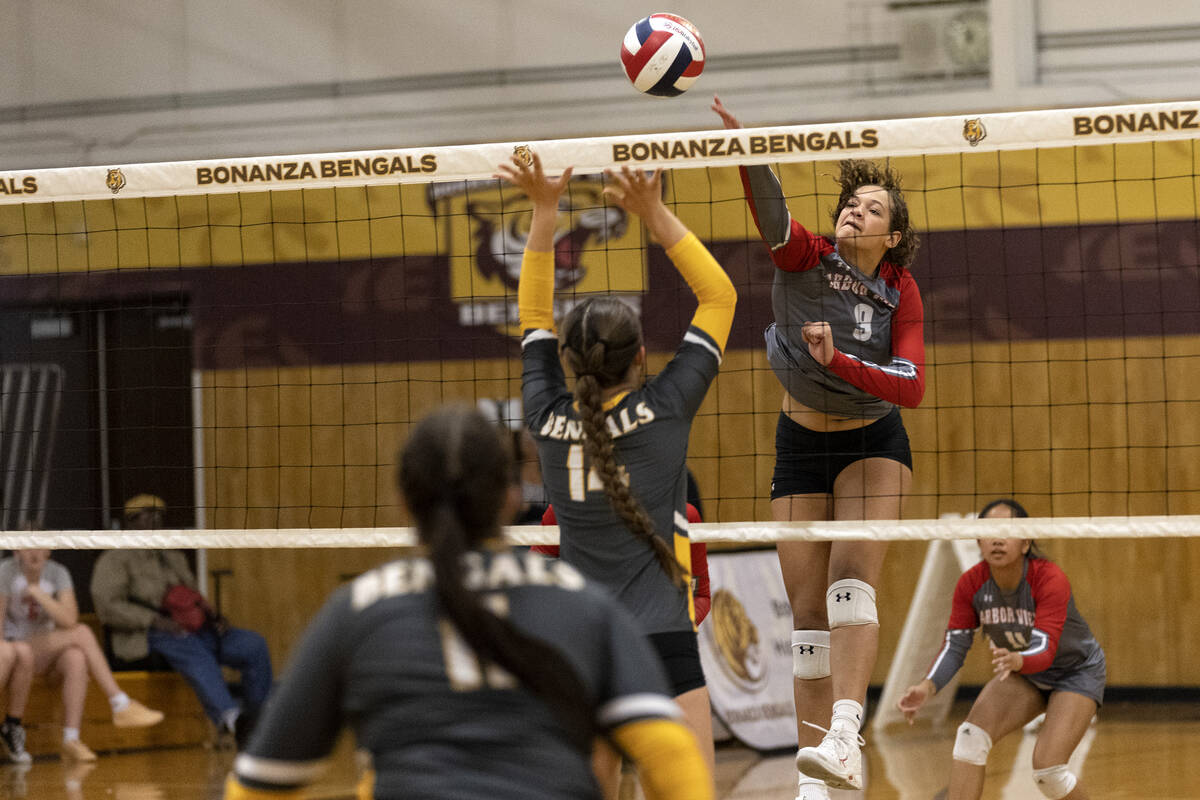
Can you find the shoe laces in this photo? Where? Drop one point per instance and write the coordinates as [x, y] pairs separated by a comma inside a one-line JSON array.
[[843, 735]]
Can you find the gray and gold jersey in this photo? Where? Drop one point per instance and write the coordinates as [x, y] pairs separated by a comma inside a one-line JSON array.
[[380, 659], [650, 428]]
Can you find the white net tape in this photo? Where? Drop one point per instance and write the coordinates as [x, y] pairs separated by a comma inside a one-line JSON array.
[[922, 136], [748, 533]]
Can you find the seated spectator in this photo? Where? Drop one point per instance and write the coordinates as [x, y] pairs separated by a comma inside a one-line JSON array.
[[128, 589], [16, 673], [37, 604]]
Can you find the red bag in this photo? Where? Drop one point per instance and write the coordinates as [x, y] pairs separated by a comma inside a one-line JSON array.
[[186, 606]]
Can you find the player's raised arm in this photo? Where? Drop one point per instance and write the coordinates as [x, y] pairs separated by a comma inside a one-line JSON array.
[[535, 289], [640, 193]]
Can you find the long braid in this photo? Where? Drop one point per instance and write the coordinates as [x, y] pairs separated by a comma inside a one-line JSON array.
[[598, 363], [454, 472]]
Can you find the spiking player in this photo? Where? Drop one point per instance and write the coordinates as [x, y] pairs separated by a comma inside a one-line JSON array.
[[1043, 653], [847, 345], [614, 453], [472, 671]]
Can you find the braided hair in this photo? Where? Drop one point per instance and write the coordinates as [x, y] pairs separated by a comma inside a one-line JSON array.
[[601, 338], [455, 472], [856, 173]]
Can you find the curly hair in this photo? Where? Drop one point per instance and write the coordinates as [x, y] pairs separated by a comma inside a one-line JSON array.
[[856, 173], [601, 337]]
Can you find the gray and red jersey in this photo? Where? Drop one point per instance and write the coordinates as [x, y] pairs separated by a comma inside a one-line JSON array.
[[1038, 619], [877, 321]]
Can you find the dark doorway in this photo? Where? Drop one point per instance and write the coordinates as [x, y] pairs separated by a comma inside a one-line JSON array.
[[95, 407]]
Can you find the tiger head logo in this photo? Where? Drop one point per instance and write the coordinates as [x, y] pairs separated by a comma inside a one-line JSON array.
[[524, 154], [740, 652], [115, 180], [973, 131]]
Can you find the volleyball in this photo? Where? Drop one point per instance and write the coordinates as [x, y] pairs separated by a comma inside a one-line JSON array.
[[663, 55]]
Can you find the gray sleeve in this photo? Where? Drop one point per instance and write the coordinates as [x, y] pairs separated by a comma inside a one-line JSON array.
[[308, 699], [950, 659], [767, 202]]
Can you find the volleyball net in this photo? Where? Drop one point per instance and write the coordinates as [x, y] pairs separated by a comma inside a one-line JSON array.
[[251, 338]]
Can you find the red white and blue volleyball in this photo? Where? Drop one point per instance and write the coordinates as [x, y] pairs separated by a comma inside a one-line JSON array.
[[663, 55]]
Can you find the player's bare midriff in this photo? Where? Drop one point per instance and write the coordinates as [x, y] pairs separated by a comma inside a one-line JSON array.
[[819, 421]]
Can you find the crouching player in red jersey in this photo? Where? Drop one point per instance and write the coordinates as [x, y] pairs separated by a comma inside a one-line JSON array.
[[1044, 655]]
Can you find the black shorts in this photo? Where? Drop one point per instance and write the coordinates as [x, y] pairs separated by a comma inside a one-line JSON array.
[[680, 656], [808, 462]]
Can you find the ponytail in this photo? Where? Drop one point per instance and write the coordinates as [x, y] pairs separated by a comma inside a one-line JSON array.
[[454, 473]]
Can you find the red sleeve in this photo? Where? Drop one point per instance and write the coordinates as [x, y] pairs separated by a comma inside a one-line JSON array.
[[548, 518], [1051, 596], [802, 251], [903, 380], [702, 595], [962, 610]]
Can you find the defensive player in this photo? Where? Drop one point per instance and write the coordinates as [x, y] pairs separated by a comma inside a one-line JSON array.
[[614, 453], [474, 671], [1044, 656], [847, 345]]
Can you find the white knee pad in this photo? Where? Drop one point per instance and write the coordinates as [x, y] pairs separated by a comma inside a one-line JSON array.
[[851, 602], [810, 655], [972, 744], [1055, 782]]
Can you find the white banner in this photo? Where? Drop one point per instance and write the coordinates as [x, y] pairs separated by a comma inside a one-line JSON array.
[[746, 649], [714, 148]]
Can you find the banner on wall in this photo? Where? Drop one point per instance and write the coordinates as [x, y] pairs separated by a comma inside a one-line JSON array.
[[746, 649]]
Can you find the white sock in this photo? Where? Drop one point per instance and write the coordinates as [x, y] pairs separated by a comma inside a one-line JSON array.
[[229, 718], [119, 701], [847, 716], [70, 735]]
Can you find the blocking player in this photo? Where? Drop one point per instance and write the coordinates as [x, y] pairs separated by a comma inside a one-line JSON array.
[[614, 452]]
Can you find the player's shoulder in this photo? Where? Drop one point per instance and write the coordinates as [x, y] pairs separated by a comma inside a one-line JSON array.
[[895, 275], [1043, 571], [975, 577]]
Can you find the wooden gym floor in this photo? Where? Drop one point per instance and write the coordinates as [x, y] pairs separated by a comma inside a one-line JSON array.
[[1135, 750]]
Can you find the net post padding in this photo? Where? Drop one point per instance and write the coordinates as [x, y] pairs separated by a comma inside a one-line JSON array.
[[923, 631], [747, 533]]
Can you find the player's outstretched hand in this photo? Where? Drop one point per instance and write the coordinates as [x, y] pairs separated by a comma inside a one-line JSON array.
[[529, 178], [728, 119], [915, 697], [634, 190]]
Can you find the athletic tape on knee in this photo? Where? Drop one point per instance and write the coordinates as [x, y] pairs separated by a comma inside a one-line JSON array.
[[810, 655], [972, 744], [1055, 782], [851, 602]]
